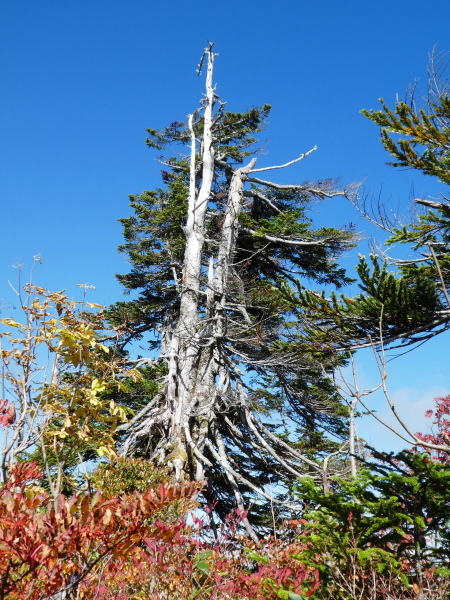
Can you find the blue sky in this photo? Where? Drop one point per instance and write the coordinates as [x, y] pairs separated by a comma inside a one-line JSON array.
[[83, 80]]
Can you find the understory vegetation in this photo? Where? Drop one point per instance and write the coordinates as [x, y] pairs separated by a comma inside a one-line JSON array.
[[225, 462]]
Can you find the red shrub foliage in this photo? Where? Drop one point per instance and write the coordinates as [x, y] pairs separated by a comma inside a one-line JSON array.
[[7, 413], [189, 569], [440, 431], [48, 545], [133, 546]]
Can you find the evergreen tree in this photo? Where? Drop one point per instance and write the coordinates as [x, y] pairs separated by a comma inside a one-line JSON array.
[[392, 518], [418, 139], [412, 303], [243, 400]]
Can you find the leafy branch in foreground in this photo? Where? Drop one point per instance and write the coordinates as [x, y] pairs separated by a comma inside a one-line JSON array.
[[46, 550], [59, 383], [414, 301]]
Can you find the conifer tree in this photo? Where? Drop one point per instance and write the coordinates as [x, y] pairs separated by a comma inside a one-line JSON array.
[[213, 253], [410, 302]]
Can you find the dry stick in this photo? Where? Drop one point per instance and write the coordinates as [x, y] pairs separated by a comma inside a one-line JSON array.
[[198, 453], [282, 443], [416, 441], [141, 413], [320, 193], [144, 428], [272, 512], [183, 344], [289, 241], [291, 162], [225, 463], [272, 452], [47, 470], [438, 268], [381, 364], [237, 436], [17, 436], [257, 194], [26, 440], [192, 163], [352, 407], [374, 415], [431, 204], [353, 391], [238, 441]]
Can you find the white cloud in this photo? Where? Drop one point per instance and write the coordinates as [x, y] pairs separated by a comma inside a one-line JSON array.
[[411, 404]]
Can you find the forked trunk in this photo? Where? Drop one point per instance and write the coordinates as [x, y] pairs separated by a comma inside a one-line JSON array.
[[202, 422]]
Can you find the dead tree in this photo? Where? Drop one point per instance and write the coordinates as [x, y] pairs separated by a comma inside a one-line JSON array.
[[213, 284]]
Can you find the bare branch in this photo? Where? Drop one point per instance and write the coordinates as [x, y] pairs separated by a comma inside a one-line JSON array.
[[319, 192], [445, 206], [290, 241], [301, 157], [441, 278]]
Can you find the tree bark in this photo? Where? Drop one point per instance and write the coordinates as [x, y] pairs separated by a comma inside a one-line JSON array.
[[184, 343]]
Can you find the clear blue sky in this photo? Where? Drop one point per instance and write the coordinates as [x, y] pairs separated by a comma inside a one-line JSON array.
[[81, 81]]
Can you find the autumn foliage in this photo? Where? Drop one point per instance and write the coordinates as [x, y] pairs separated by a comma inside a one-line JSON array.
[[120, 548], [49, 545], [440, 430], [124, 530]]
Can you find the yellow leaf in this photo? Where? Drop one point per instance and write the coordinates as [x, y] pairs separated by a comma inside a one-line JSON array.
[[10, 322], [98, 386], [133, 374], [122, 412], [106, 451], [33, 490]]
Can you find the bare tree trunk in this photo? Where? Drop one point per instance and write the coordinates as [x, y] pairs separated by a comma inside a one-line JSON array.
[[352, 437], [184, 343]]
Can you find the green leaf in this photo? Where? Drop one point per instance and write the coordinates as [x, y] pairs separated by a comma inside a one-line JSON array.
[[202, 566]]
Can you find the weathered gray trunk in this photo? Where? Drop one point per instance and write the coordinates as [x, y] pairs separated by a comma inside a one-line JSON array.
[[184, 343]]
